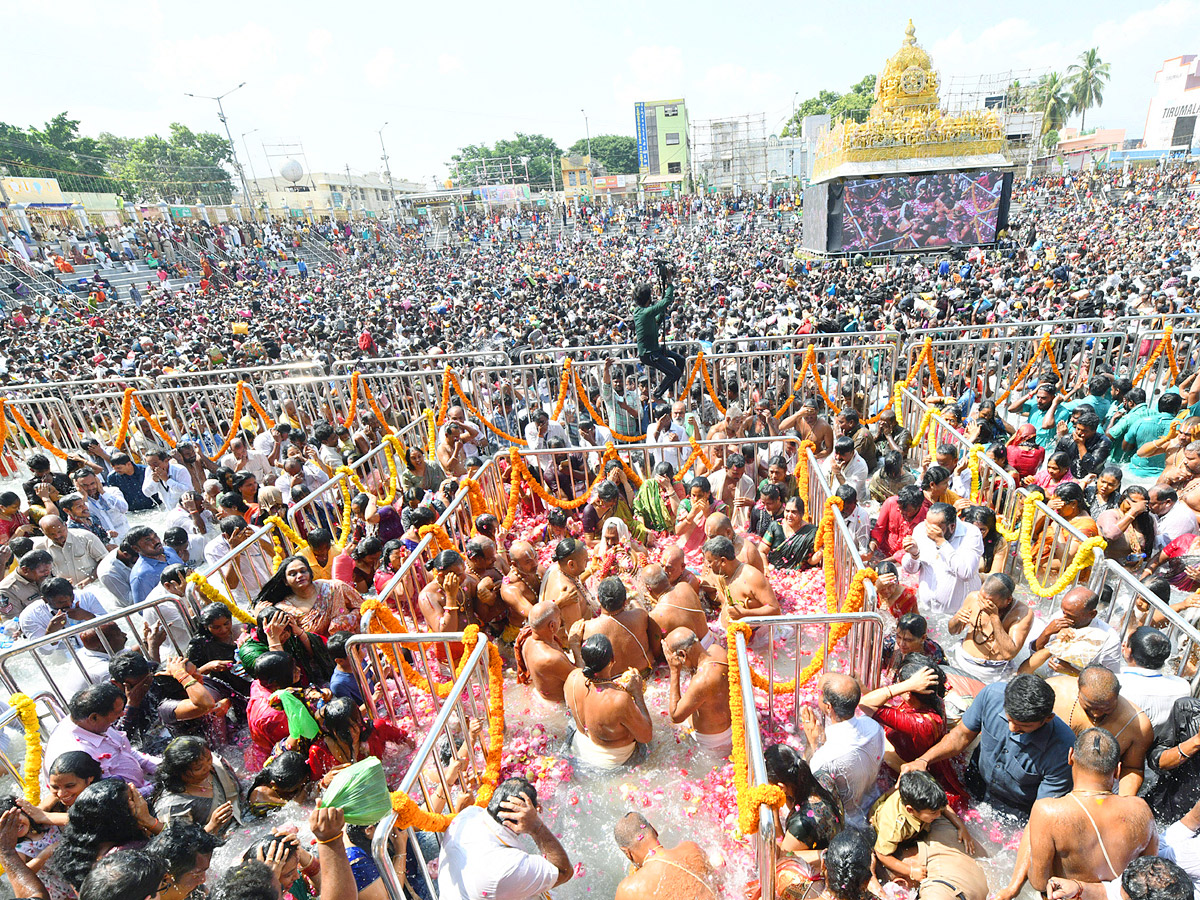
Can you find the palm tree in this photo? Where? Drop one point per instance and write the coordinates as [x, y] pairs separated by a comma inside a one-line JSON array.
[[1050, 98], [1087, 79]]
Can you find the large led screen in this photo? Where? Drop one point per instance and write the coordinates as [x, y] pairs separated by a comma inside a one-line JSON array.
[[920, 212]]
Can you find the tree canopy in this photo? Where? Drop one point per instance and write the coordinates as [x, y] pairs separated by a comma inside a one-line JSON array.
[[853, 104], [187, 166], [616, 152], [477, 164]]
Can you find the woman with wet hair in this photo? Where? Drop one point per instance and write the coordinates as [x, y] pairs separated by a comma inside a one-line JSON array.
[[347, 737], [107, 815], [848, 863], [282, 779], [195, 785]]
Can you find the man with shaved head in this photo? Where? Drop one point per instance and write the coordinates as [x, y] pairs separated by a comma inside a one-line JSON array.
[[705, 703], [681, 872], [1088, 836], [675, 605], [720, 525], [1093, 700], [541, 660], [631, 631], [673, 565], [848, 748], [522, 585]]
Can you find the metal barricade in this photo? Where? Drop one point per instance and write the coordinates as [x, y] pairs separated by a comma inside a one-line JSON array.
[[33, 653], [989, 366], [860, 654], [257, 376], [592, 352], [51, 418], [322, 508], [858, 375], [401, 396], [1126, 603], [426, 777], [799, 342], [1186, 342], [847, 557], [435, 362]]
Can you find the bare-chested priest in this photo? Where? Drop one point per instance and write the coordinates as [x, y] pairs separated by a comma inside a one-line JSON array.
[[681, 872], [720, 525], [523, 583], [562, 585], [631, 631], [1090, 835], [541, 651], [675, 606], [994, 626], [744, 591], [705, 703], [610, 716]]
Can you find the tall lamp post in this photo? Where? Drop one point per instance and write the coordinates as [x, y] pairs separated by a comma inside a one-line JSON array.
[[388, 171], [253, 175], [588, 131], [232, 147]]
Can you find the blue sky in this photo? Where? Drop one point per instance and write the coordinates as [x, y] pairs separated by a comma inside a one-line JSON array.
[[443, 75]]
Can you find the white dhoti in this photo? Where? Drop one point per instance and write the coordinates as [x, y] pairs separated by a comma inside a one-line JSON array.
[[720, 743], [708, 640], [985, 670], [586, 750]]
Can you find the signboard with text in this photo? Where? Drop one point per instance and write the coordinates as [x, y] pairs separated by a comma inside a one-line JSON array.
[[639, 115]]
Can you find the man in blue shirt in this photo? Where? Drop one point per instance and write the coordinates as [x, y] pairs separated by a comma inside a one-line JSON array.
[[127, 477], [153, 558], [1022, 754]]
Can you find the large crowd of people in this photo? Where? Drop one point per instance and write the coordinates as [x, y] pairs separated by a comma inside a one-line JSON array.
[[613, 609]]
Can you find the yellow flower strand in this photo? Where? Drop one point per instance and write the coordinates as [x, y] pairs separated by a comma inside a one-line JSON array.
[[31, 781], [1085, 557], [212, 595]]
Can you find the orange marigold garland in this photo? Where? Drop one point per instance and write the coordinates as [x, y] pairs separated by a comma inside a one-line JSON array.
[[564, 382], [749, 799], [35, 434]]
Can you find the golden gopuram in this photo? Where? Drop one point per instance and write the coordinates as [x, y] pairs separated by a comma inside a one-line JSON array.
[[906, 130]]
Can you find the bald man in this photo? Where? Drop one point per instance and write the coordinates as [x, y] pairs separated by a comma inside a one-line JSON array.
[[522, 585], [74, 553], [677, 571], [681, 872], [705, 703], [630, 631], [1093, 700], [540, 655], [1089, 835], [720, 525], [675, 606]]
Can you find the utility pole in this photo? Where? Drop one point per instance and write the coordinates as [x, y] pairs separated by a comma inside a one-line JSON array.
[[388, 171], [588, 131], [350, 194], [228, 134], [250, 159]]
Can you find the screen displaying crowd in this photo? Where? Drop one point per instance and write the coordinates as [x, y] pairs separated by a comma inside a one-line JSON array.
[[921, 212]]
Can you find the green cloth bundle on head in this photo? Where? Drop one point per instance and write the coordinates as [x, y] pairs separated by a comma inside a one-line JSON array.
[[300, 721], [360, 791]]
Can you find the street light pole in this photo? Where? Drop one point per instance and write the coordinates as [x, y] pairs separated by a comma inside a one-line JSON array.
[[232, 146], [588, 131], [250, 159], [388, 170]]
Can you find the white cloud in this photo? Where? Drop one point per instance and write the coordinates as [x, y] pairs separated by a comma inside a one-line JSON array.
[[650, 73], [448, 62], [379, 70]]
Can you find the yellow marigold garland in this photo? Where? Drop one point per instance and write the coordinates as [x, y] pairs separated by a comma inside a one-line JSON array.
[[440, 536], [445, 404], [431, 436], [564, 382], [154, 426], [1084, 558], [451, 380], [1044, 347], [801, 475], [475, 498], [126, 412], [1166, 344], [35, 434], [31, 782], [344, 534], [212, 595], [749, 799], [234, 421], [298, 543], [697, 451]]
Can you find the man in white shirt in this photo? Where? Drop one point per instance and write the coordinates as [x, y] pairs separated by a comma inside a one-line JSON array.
[[845, 466], [481, 859], [669, 429], [1142, 678], [1171, 518], [946, 556], [1076, 638], [60, 607], [89, 727], [735, 489], [114, 572], [105, 502], [165, 479], [856, 517], [540, 431], [241, 459], [1181, 844], [849, 748], [593, 435]]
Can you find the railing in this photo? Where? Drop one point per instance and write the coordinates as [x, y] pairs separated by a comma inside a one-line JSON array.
[[1052, 551], [426, 775], [415, 362], [860, 655], [33, 652], [50, 416], [258, 376], [799, 342], [1186, 341], [249, 561], [592, 352]]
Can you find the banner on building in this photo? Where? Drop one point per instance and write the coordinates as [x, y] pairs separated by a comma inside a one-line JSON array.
[[639, 115]]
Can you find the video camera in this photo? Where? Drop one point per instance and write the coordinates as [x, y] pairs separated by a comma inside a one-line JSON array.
[[666, 270]]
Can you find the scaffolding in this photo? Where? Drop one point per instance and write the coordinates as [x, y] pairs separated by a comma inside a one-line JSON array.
[[1011, 95], [731, 154]]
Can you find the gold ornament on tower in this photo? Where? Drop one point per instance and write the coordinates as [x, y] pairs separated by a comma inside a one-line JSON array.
[[907, 122]]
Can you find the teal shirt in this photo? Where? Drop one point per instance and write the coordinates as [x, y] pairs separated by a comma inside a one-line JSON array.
[[1045, 437], [1149, 428], [1125, 426], [1100, 404]]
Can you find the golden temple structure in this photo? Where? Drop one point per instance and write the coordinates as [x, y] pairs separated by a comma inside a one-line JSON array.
[[906, 126]]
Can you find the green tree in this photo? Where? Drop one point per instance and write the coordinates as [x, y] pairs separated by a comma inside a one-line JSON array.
[[616, 152], [1087, 79], [853, 104], [477, 164], [1050, 139], [187, 166], [1052, 100]]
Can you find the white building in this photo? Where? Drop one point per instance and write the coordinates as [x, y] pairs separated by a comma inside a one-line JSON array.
[[1171, 118], [322, 193]]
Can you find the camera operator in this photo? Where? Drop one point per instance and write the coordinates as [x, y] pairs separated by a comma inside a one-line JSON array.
[[647, 322]]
